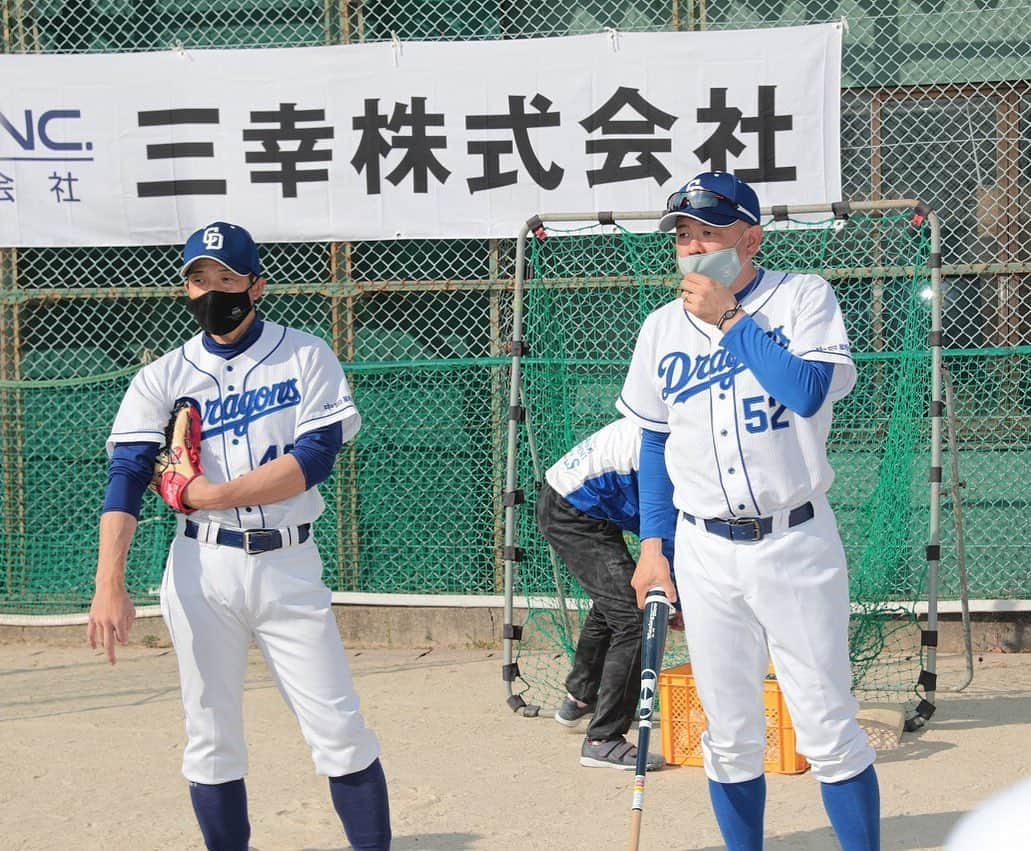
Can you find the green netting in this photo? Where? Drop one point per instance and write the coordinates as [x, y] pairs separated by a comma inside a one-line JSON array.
[[935, 104], [588, 293], [411, 504]]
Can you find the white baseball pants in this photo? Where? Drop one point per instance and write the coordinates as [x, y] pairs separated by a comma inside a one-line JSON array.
[[785, 599], [215, 599]]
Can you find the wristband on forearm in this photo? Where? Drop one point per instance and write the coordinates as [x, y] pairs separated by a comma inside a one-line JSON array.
[[730, 314]]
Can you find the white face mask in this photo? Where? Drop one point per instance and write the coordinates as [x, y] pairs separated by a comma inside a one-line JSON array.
[[722, 266]]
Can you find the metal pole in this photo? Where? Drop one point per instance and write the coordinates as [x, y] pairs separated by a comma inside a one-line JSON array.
[[934, 513], [955, 485], [509, 496]]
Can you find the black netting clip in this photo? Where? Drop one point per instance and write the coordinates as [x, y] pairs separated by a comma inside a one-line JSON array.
[[511, 498], [841, 209], [518, 348], [510, 672], [934, 552], [514, 553], [927, 679], [514, 631], [606, 218], [929, 638], [515, 702], [779, 212], [517, 413], [925, 709]]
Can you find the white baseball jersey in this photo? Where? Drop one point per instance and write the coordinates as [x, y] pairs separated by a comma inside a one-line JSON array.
[[254, 407], [734, 450], [599, 474]]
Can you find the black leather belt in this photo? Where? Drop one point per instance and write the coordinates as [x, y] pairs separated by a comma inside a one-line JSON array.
[[253, 541], [752, 528]]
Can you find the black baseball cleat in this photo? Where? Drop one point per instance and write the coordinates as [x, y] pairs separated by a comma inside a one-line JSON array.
[[570, 712], [615, 753]]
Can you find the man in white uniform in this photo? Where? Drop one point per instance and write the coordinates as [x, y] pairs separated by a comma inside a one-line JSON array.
[[738, 377], [275, 408]]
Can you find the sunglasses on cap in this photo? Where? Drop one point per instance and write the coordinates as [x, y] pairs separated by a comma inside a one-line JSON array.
[[699, 199]]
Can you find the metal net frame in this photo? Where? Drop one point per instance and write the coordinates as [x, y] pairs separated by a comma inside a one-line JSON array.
[[582, 292]]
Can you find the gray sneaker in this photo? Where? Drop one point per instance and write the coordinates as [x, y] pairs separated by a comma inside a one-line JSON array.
[[617, 753], [570, 712]]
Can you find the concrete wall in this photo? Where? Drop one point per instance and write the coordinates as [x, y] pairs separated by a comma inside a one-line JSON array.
[[443, 627]]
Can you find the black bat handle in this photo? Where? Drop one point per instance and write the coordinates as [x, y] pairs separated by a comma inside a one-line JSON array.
[[653, 644]]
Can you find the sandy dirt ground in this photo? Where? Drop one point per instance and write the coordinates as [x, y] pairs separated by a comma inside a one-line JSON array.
[[91, 761]]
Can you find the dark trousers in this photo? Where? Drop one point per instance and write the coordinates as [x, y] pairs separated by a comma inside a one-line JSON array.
[[607, 665]]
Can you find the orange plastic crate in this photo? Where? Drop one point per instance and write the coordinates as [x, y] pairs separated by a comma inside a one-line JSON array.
[[683, 722]]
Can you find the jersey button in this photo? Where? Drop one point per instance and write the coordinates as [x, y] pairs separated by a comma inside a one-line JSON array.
[[235, 441], [740, 506], [730, 470], [229, 369], [231, 388], [723, 432], [723, 395], [248, 509]]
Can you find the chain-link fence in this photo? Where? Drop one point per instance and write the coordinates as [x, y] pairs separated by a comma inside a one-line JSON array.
[[935, 104], [411, 504]]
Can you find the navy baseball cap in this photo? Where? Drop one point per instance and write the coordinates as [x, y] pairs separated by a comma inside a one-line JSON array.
[[224, 243], [718, 198]]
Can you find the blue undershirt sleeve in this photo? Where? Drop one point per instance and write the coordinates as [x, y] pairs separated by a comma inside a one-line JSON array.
[[129, 473], [799, 384], [316, 451], [658, 516]]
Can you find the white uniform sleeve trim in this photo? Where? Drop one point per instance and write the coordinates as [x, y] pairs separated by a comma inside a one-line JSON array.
[[122, 434], [641, 420], [348, 410], [826, 356], [350, 423]]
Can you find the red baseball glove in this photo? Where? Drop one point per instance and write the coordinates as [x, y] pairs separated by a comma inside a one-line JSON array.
[[178, 462]]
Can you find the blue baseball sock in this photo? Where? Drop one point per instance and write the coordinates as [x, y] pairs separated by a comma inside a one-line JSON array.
[[854, 808], [739, 812], [221, 810], [361, 802]]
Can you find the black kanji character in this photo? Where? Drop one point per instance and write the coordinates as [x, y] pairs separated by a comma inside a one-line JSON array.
[[287, 117], [765, 124], [519, 122], [177, 150], [616, 150], [418, 147]]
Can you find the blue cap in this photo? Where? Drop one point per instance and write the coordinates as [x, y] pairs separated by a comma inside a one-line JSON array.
[[224, 243], [737, 202]]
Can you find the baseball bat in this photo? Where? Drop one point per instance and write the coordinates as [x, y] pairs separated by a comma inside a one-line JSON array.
[[653, 643]]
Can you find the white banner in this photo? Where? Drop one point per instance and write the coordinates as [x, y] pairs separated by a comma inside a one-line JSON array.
[[409, 140]]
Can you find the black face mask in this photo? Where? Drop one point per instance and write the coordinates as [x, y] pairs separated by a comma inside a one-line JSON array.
[[220, 313]]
